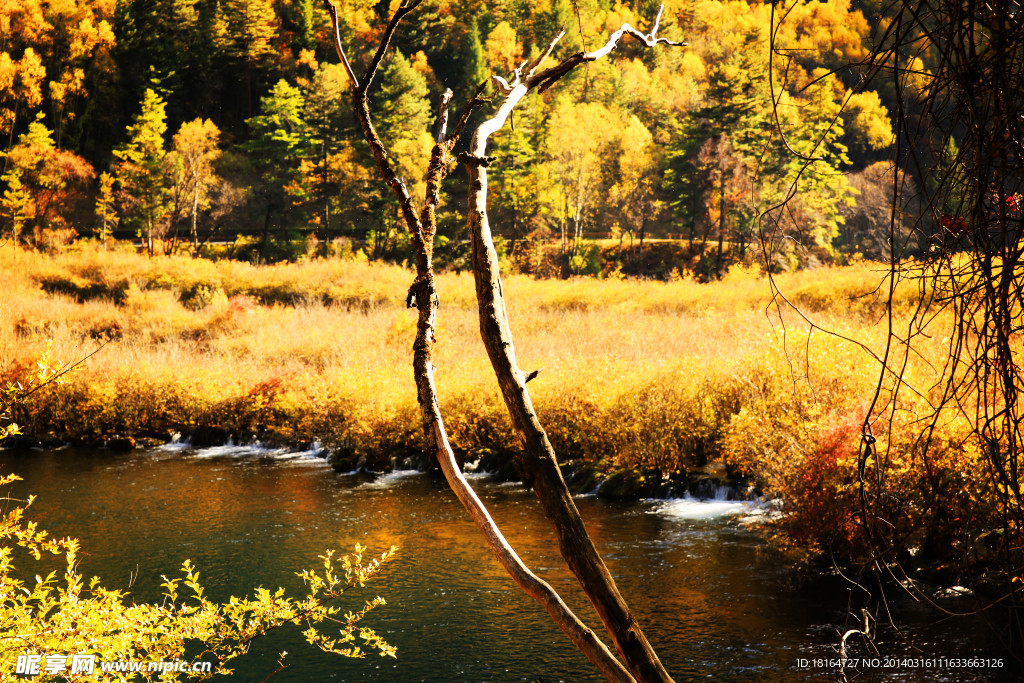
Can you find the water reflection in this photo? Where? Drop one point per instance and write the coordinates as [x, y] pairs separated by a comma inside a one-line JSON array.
[[712, 602]]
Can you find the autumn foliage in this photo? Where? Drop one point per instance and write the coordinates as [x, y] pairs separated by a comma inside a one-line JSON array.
[[234, 122]]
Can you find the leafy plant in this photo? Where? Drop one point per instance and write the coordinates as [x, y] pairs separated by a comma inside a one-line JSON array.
[[65, 614], [46, 371]]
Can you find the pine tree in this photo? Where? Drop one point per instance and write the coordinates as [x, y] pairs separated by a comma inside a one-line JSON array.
[[280, 141], [16, 204], [404, 117], [158, 41], [523, 198], [141, 171], [330, 125], [243, 33], [106, 207], [461, 64], [474, 64], [720, 144], [401, 104]]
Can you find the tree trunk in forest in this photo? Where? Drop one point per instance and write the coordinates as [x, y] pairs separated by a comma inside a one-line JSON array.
[[643, 231], [721, 218], [537, 463], [266, 230], [195, 213]]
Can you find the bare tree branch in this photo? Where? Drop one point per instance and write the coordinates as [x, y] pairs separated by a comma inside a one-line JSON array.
[[423, 294], [545, 79], [337, 42], [537, 464]]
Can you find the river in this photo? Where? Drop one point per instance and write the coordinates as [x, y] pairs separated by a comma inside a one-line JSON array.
[[713, 601]]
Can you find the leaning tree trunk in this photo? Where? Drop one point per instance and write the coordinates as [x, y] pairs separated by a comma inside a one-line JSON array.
[[537, 463]]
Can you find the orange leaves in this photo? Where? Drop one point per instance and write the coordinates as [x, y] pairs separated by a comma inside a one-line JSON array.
[[49, 175], [55, 39], [503, 51], [958, 225]]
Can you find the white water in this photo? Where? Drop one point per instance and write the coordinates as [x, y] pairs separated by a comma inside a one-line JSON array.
[[387, 480], [254, 450], [689, 507], [685, 508]]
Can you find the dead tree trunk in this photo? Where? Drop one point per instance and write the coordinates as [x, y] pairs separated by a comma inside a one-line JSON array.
[[537, 463]]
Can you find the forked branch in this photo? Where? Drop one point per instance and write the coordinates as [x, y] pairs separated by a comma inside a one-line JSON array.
[[423, 295], [537, 463]]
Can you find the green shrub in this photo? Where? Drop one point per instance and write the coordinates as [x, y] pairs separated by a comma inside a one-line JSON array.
[[199, 295]]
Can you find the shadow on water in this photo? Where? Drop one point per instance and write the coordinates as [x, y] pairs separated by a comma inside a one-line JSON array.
[[713, 602]]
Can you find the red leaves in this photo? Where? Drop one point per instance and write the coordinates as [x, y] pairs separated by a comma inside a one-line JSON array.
[[957, 225], [954, 225]]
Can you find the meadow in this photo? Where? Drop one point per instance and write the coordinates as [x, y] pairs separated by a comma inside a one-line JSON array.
[[657, 379]]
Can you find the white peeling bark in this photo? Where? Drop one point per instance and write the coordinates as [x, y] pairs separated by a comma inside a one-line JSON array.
[[537, 463]]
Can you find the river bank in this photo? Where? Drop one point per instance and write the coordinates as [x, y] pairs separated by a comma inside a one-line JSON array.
[[643, 374], [640, 384]]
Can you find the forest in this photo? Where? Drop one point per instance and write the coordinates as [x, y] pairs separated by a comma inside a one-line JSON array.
[[187, 123]]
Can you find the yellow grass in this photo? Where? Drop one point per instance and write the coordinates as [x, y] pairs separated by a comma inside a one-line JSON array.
[[645, 374]]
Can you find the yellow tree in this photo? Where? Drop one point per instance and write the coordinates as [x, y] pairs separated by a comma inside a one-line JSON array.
[[868, 125], [196, 149], [106, 207], [48, 48], [21, 81], [634, 192], [825, 34], [579, 137], [16, 204], [502, 49]]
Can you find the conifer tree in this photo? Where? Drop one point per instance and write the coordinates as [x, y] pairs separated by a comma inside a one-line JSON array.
[[16, 204], [524, 198], [243, 33], [331, 130], [404, 121], [280, 140], [106, 206], [141, 172]]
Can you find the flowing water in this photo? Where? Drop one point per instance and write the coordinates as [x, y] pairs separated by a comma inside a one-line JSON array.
[[713, 602]]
